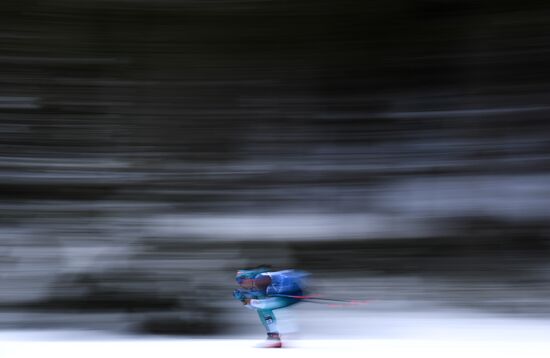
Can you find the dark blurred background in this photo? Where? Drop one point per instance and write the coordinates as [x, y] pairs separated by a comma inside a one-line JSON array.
[[397, 149]]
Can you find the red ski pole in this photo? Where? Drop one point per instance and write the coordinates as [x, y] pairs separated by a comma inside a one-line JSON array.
[[316, 299]]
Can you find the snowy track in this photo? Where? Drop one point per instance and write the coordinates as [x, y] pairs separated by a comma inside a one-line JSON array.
[[243, 348], [339, 334]]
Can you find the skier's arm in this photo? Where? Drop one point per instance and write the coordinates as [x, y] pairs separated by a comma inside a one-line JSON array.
[[251, 300], [270, 303], [245, 296], [239, 295]]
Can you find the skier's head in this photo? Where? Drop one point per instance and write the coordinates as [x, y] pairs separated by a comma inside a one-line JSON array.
[[246, 278]]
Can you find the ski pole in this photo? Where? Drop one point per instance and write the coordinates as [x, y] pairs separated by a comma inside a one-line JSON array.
[[316, 298]]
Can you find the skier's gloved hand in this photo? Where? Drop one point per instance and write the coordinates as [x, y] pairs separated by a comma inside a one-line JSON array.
[[239, 295]]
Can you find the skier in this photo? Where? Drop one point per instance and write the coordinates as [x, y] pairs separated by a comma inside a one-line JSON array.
[[266, 291]]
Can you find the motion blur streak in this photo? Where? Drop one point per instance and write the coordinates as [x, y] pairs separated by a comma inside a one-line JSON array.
[[396, 149]]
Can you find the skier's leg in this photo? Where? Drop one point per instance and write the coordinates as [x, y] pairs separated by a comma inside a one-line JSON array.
[[286, 323], [270, 323], [268, 320], [275, 314]]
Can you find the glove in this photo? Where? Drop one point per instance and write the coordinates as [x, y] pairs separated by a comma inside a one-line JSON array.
[[239, 295]]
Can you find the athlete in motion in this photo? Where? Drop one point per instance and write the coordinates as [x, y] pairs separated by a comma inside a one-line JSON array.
[[267, 291]]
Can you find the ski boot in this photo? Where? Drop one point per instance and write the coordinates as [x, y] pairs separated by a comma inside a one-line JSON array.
[[273, 341]]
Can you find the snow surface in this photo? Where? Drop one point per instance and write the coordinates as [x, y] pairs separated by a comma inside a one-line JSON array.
[[138, 348], [354, 334]]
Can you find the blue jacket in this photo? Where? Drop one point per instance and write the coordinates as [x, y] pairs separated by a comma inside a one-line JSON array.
[[287, 282], [283, 283]]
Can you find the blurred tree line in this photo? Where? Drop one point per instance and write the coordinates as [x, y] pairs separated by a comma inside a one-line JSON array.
[[114, 113]]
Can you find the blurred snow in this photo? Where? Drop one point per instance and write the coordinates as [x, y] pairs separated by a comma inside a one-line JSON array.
[[354, 333], [138, 348], [239, 348]]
